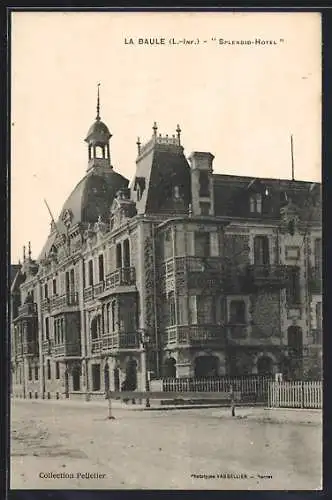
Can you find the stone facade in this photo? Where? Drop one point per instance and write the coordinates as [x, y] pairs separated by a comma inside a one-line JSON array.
[[194, 286]]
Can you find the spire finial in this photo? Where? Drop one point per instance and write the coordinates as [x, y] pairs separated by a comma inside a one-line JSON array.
[[29, 250], [155, 129], [98, 102], [24, 253], [178, 131], [138, 145]]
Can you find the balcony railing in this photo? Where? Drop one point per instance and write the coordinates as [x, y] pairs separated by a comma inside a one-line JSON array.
[[237, 332], [121, 277], [64, 301], [45, 305], [98, 288], [315, 280], [263, 275], [29, 309], [126, 340], [47, 346], [96, 346], [191, 264], [124, 276], [67, 349], [196, 334], [30, 348]]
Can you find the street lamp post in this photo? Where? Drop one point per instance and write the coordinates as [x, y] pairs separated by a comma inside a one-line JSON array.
[[145, 341]]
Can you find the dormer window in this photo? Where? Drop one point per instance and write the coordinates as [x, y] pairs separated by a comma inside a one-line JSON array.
[[204, 184], [139, 187], [255, 201]]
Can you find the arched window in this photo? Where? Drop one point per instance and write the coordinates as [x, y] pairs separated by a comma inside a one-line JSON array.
[[118, 256], [126, 253], [114, 319], [261, 250], [94, 329], [237, 312], [255, 202]]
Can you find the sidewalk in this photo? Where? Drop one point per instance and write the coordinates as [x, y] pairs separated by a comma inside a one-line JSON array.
[[257, 413]]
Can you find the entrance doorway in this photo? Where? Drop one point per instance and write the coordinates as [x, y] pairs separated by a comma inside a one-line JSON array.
[[206, 366], [265, 366]]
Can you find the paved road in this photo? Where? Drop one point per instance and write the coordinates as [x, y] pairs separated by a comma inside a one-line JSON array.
[[176, 449]]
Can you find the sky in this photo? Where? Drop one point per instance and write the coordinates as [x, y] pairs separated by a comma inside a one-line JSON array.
[[239, 102]]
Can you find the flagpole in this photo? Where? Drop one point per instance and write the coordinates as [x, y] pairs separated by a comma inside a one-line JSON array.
[[292, 156]]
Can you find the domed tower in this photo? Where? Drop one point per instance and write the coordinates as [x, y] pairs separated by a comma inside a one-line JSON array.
[[98, 139]]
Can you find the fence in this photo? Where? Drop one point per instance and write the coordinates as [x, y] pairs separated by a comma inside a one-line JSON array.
[[295, 395], [253, 388]]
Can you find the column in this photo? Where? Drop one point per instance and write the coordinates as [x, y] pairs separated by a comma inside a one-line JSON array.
[[40, 341]]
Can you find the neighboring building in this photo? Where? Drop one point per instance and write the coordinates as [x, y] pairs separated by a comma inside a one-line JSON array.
[[221, 273]]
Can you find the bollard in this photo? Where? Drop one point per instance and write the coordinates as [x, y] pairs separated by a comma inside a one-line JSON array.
[[110, 416], [232, 401]]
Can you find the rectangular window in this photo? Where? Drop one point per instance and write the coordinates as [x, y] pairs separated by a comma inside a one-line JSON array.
[[77, 379], [118, 256], [205, 208], [84, 270], [48, 369], [202, 244], [255, 203], [36, 372], [237, 312], [319, 319], [96, 377], [261, 251], [171, 309], [90, 271], [204, 184], [101, 267], [54, 287], [293, 289], [30, 372], [57, 370], [205, 310], [46, 291], [318, 256], [47, 328]]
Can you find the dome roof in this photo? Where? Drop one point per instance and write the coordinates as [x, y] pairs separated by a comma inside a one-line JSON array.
[[91, 198], [98, 131]]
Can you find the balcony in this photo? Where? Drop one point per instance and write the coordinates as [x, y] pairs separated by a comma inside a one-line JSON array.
[[30, 348], [121, 277], [196, 335], [315, 280], [266, 275], [45, 305], [235, 332], [67, 349], [98, 288], [121, 341], [29, 309], [47, 347], [67, 302], [18, 351], [192, 265]]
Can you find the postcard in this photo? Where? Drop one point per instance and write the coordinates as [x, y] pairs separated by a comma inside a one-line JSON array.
[[166, 245]]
